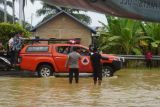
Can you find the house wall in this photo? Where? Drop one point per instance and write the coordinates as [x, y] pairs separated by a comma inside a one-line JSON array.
[[64, 26]]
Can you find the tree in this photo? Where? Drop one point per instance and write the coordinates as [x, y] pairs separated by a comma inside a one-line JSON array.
[[22, 4], [7, 30], [49, 10], [152, 31], [13, 10], [5, 3], [121, 36], [5, 10], [21, 11], [9, 17], [76, 13]]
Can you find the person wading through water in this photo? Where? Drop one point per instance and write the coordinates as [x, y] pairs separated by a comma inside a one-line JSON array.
[[149, 56], [72, 63], [97, 66]]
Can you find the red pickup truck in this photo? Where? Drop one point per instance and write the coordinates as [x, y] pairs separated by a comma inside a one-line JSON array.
[[50, 59]]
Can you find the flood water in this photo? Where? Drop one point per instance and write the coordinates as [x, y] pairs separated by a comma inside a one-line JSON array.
[[129, 88]]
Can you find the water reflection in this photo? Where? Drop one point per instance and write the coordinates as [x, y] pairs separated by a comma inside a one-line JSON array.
[[131, 88]]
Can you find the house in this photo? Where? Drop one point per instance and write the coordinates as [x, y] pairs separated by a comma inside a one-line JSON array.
[[64, 25]]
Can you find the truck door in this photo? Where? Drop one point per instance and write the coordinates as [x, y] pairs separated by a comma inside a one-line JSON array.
[[60, 58]]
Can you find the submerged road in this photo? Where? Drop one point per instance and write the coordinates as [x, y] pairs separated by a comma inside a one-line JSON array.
[[129, 88]]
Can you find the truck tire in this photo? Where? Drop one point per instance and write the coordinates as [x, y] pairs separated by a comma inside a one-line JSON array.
[[45, 71], [107, 71]]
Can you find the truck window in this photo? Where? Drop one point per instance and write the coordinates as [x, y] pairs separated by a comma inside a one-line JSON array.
[[37, 49], [63, 49], [83, 51]]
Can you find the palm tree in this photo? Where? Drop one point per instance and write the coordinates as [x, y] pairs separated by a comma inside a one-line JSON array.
[[5, 10], [6, 3], [76, 13], [22, 4], [48, 10], [13, 10], [21, 11]]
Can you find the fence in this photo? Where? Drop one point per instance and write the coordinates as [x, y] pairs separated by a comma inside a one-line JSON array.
[[139, 60], [138, 57]]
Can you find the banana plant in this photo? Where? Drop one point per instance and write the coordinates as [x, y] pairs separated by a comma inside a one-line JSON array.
[[152, 31], [121, 36]]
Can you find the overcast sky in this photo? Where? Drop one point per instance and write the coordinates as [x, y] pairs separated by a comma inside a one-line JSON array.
[[30, 9]]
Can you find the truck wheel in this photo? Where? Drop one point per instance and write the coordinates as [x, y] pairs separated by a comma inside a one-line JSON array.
[[107, 71], [45, 71]]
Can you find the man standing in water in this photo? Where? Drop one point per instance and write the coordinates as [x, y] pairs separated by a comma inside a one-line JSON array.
[[72, 62], [97, 66]]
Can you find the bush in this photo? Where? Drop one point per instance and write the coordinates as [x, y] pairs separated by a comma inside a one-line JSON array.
[[7, 30]]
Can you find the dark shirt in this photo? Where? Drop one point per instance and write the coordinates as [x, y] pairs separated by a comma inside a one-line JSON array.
[[96, 59]]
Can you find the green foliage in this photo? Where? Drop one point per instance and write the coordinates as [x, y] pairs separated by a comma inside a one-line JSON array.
[[121, 36], [7, 30], [82, 17], [125, 36], [155, 44], [152, 30]]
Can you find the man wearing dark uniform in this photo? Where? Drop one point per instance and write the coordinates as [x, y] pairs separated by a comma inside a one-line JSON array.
[[97, 66]]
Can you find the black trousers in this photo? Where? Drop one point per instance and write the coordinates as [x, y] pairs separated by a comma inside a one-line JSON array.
[[12, 54], [14, 57], [74, 71], [97, 73], [149, 63]]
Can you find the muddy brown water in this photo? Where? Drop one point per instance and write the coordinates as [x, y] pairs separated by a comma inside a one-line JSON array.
[[128, 88]]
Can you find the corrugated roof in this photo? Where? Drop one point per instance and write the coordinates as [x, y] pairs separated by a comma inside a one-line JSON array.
[[61, 12]]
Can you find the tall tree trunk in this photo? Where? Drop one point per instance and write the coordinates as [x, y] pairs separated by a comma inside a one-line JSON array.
[[24, 2], [5, 10], [13, 18], [21, 12]]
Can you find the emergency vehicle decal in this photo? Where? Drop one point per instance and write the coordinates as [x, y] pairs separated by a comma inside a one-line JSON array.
[[85, 61]]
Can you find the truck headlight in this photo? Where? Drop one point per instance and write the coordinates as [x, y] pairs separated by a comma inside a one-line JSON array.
[[116, 58]]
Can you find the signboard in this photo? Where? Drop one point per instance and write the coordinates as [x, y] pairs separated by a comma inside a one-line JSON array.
[[148, 10]]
